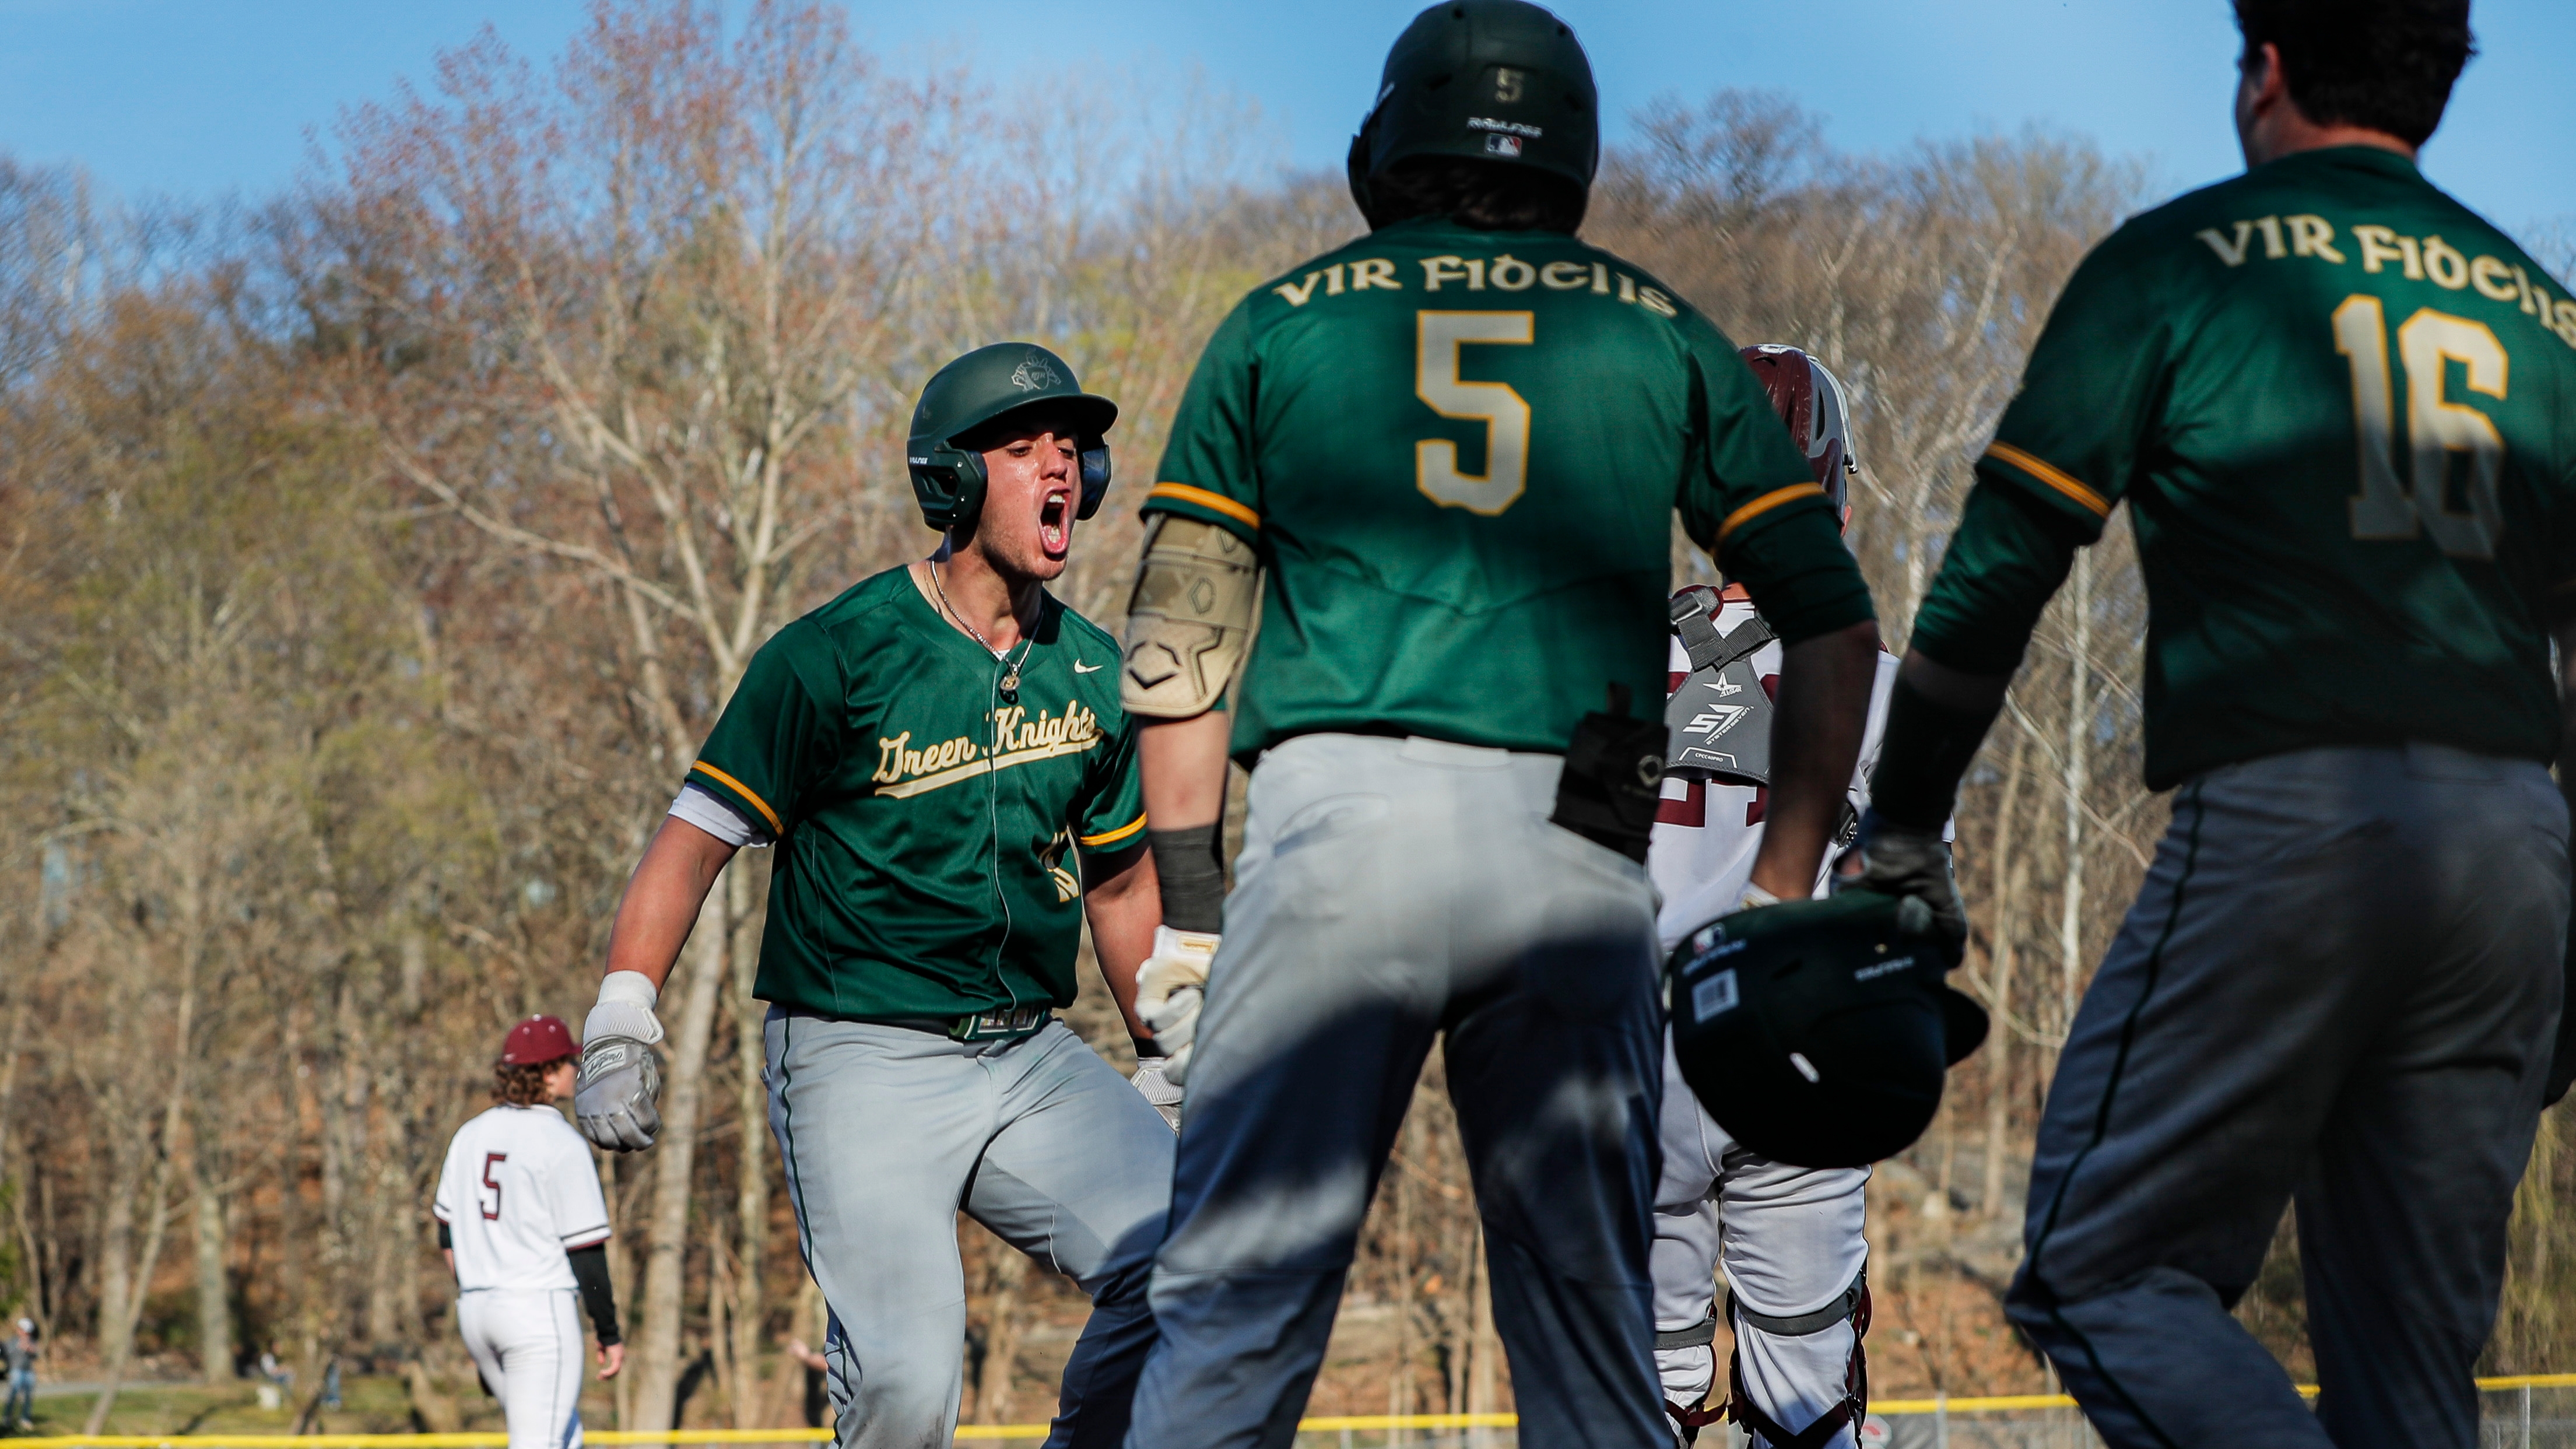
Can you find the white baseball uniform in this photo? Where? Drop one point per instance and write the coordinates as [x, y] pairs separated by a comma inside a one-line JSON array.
[[1789, 1238], [518, 1191]]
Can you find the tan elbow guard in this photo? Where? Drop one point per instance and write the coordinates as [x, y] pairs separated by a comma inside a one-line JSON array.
[[1190, 619]]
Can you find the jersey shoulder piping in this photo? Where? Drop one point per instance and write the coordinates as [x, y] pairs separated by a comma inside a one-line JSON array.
[[1112, 837], [1764, 504], [2048, 473], [701, 767], [1205, 498]]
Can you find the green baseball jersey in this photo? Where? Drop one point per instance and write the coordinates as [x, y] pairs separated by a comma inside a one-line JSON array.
[[929, 828], [1458, 454], [2342, 410]]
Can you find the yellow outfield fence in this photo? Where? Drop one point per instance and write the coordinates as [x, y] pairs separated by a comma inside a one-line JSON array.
[[1323, 1424]]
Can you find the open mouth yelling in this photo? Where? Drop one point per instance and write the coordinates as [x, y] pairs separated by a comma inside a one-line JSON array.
[[1055, 522]]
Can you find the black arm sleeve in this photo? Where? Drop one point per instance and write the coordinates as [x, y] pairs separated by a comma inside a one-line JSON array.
[[1922, 757], [1191, 876], [446, 1236], [590, 1270]]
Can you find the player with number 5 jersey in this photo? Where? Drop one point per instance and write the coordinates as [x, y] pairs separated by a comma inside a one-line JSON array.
[[1448, 458], [2341, 410], [524, 1227]]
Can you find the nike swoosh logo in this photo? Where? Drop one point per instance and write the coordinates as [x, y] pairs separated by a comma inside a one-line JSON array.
[[1081, 668]]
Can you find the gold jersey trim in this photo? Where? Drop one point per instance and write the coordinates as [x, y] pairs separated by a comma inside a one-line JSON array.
[[1766, 503], [2048, 473], [1184, 493], [745, 791], [1112, 837]]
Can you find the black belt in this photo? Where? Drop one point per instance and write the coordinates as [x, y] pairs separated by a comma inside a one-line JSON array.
[[1001, 1021], [993, 1025]]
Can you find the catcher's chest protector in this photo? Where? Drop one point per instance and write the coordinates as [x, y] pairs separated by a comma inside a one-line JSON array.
[[1720, 719]]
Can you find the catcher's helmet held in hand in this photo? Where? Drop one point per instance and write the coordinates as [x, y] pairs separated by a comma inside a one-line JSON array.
[[1818, 1033], [981, 388], [1485, 80]]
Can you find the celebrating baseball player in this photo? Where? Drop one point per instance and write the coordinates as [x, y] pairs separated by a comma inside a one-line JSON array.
[[524, 1228], [940, 760], [2336, 402], [1445, 457], [1789, 1238]]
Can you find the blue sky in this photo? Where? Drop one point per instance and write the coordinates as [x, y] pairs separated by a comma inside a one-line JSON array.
[[196, 99]]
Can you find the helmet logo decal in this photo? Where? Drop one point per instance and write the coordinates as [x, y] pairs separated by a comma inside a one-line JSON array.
[[1035, 374], [1517, 128], [1503, 145], [1507, 84]]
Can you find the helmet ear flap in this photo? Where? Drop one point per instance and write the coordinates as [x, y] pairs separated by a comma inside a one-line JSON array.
[[949, 485], [1095, 478]]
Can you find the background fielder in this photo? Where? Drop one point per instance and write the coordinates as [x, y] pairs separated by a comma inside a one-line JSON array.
[[525, 1229], [939, 757], [2337, 404]]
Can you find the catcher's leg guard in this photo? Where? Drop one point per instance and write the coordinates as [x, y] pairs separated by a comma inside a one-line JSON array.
[[1852, 1307], [1702, 1334]]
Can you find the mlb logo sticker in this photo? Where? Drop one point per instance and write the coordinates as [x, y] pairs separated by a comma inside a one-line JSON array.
[[1501, 145]]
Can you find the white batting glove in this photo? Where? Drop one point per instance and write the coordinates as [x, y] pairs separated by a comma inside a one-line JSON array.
[[613, 1098], [1161, 1091], [1169, 988], [1754, 898]]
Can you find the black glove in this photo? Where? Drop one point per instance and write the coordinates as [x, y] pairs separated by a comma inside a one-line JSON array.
[[1909, 863]]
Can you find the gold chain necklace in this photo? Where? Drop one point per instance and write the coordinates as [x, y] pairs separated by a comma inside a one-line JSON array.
[[1010, 668]]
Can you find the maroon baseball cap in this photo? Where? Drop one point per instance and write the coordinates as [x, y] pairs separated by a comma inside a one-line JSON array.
[[537, 1041]]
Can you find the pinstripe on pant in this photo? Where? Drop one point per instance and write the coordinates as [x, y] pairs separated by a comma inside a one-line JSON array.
[[2340, 982]]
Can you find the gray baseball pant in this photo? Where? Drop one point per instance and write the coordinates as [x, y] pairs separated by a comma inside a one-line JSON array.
[[2340, 983], [1390, 891], [885, 1133]]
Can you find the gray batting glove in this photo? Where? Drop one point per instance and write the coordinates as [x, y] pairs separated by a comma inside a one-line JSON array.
[[1910, 864], [1161, 1091], [613, 1096]]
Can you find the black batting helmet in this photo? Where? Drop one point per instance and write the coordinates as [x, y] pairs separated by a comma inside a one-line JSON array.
[[1818, 1033], [1486, 80]]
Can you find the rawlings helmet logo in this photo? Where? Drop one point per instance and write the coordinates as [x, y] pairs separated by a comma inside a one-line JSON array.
[[1035, 373]]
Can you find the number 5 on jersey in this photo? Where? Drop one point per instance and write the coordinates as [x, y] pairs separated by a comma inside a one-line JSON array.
[[2436, 427], [1505, 414]]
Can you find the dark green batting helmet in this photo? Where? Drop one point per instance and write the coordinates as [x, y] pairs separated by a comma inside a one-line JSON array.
[[983, 387], [1818, 1033], [1486, 80]]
